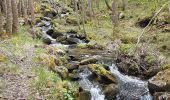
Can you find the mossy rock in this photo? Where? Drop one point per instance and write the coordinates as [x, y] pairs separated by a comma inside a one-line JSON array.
[[161, 81], [102, 72]]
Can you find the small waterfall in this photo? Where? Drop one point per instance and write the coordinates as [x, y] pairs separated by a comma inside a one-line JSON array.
[[130, 88], [94, 90]]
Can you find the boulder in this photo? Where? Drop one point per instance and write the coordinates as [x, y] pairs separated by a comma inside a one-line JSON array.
[[73, 65], [54, 33], [47, 39], [105, 76], [160, 82], [91, 60], [161, 96], [73, 40], [111, 91]]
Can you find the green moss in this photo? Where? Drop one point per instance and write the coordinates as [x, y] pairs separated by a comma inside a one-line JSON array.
[[125, 48], [3, 58]]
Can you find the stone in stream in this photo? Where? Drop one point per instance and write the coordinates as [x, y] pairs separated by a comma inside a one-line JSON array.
[[161, 96], [91, 60], [160, 82], [104, 76], [47, 39], [111, 91], [54, 33]]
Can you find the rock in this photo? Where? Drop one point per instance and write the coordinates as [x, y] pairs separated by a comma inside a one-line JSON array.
[[73, 40], [54, 33], [73, 65], [161, 96], [91, 60], [71, 20], [84, 95], [46, 18], [62, 71], [47, 39], [160, 82], [105, 76], [50, 14], [111, 91]]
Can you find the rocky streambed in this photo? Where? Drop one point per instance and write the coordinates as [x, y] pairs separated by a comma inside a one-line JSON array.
[[97, 72]]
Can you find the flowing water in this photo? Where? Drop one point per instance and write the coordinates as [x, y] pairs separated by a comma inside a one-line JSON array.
[[130, 88], [95, 91]]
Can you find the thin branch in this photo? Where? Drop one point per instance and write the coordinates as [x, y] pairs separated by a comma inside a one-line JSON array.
[[150, 22]]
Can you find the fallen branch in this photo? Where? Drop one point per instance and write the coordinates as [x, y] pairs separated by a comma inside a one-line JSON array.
[[150, 22]]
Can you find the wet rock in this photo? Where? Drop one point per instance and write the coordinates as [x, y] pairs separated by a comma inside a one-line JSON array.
[[161, 96], [62, 71], [54, 33], [74, 57], [47, 39], [84, 95], [111, 91], [91, 60], [73, 65], [160, 82], [50, 14], [46, 18], [104, 75], [73, 40]]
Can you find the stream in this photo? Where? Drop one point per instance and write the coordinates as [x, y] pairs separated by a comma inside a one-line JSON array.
[[130, 88]]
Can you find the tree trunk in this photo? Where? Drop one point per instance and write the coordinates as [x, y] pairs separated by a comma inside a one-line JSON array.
[[83, 15], [90, 8], [20, 8], [31, 11], [4, 7], [24, 10], [115, 13], [15, 16], [77, 13], [1, 22], [124, 4], [9, 17]]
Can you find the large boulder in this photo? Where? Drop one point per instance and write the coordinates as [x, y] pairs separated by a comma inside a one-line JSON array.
[[160, 82], [104, 76], [111, 91]]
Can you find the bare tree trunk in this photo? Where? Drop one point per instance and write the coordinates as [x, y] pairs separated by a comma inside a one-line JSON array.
[[98, 4], [20, 8], [24, 10], [124, 4], [90, 8], [15, 16], [115, 13], [76, 10], [1, 22], [83, 15], [4, 7], [9, 17], [107, 4], [31, 11]]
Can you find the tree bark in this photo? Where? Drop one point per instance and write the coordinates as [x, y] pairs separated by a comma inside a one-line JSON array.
[[115, 17], [4, 7], [31, 11], [15, 16], [1, 22], [9, 17]]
